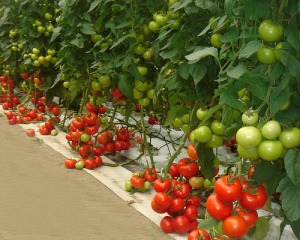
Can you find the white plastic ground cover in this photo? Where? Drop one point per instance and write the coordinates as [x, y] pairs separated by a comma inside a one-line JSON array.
[[115, 177]]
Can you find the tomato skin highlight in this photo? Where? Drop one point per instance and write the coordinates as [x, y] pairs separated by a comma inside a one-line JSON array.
[[228, 189]]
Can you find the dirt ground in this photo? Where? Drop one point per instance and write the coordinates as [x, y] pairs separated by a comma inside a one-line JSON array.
[[42, 200]]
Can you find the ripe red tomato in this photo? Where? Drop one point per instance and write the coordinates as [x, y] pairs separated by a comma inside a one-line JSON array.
[[254, 198], [174, 170], [162, 185], [90, 163], [70, 163], [78, 122], [98, 161], [30, 132], [194, 200], [101, 109], [84, 151], [150, 174], [109, 147], [218, 209], [156, 208], [43, 130], [181, 224], [228, 188], [55, 110], [181, 190], [191, 212], [90, 118], [49, 124], [177, 205], [90, 107], [199, 234], [119, 145], [163, 200], [250, 216], [123, 134], [235, 227], [187, 167], [97, 151], [137, 181], [166, 224]]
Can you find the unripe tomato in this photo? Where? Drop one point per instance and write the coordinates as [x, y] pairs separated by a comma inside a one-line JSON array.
[[271, 129], [215, 40], [270, 150], [248, 137], [269, 31], [266, 55]]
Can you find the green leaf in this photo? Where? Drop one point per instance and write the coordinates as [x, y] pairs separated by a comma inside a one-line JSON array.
[[55, 33], [230, 36], [87, 28], [295, 226], [75, 88], [292, 165], [94, 4], [250, 48], [207, 4], [78, 41], [228, 95], [125, 85], [169, 53], [120, 40], [289, 197], [184, 71], [261, 228], [238, 71], [256, 9], [206, 160], [198, 71], [208, 224], [229, 6], [256, 84], [279, 96], [202, 53], [292, 64], [269, 173]]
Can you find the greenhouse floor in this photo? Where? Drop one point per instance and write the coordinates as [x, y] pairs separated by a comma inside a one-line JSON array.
[[41, 199]]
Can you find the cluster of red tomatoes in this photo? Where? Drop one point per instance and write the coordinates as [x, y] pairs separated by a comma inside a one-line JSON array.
[[86, 138], [234, 204], [7, 96], [141, 181]]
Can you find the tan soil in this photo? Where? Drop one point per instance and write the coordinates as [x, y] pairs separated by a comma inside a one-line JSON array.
[[42, 200]]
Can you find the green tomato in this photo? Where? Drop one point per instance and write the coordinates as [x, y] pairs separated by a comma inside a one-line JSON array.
[[248, 137], [216, 141], [290, 138], [250, 153], [142, 70], [128, 186], [200, 114], [215, 40], [144, 101], [203, 134], [177, 122], [266, 55], [271, 129], [148, 54], [185, 127], [153, 26], [277, 51], [48, 16], [217, 127], [79, 165], [269, 31], [186, 118], [139, 50], [270, 150], [151, 93], [207, 183], [137, 94], [96, 85], [161, 19], [147, 185], [66, 84], [250, 117], [105, 81], [41, 29], [85, 137], [141, 86]]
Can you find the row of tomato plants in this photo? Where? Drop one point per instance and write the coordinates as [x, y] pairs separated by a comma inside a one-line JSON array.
[[232, 74]]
